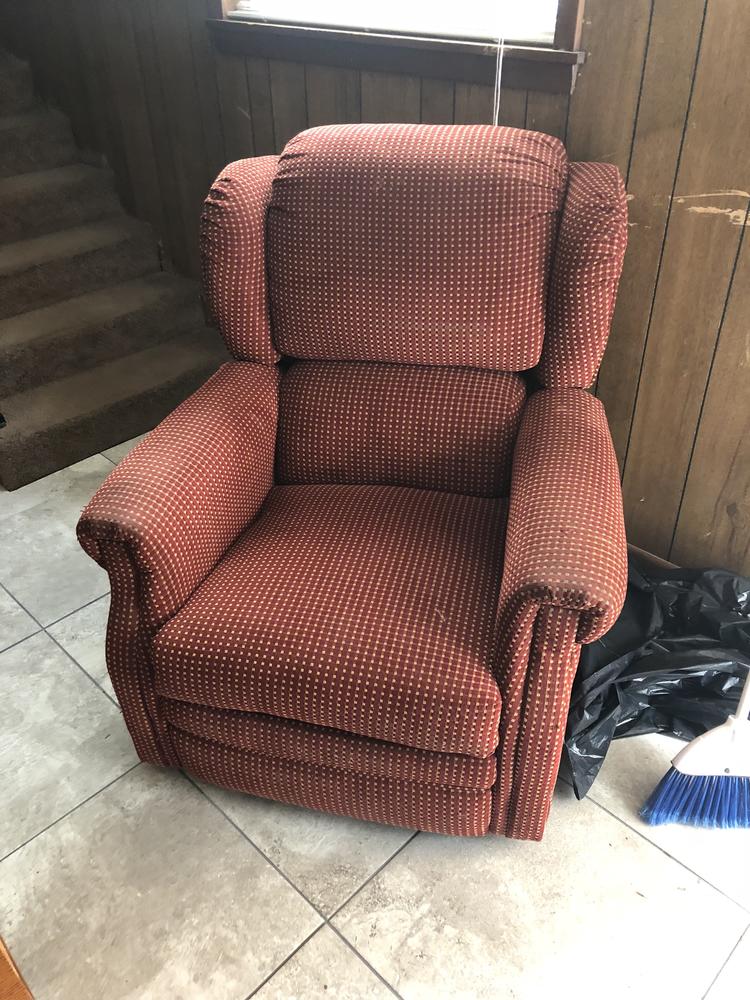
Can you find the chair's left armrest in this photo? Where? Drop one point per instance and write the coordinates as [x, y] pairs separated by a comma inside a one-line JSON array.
[[182, 496]]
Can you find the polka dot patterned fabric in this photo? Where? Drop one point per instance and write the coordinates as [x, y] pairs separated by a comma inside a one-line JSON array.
[[437, 428], [310, 597], [185, 492], [367, 609], [233, 257], [419, 244], [286, 739], [586, 270], [435, 808], [564, 580]]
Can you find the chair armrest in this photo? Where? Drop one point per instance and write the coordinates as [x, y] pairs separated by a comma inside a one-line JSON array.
[[564, 582], [185, 492], [565, 540]]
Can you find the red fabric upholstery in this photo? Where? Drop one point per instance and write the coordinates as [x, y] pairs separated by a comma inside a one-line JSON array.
[[588, 261], [565, 552], [314, 597], [184, 493], [420, 244], [286, 739], [233, 257], [436, 428], [438, 809], [368, 609]]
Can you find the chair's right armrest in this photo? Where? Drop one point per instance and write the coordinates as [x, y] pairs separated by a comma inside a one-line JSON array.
[[564, 580], [182, 496], [565, 541]]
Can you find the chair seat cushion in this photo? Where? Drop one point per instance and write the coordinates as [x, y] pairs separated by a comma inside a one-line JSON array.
[[458, 812], [367, 609], [287, 739]]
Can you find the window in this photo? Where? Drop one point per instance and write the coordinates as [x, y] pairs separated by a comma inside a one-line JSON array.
[[529, 21]]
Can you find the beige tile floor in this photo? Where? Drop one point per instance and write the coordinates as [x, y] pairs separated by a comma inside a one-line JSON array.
[[118, 880]]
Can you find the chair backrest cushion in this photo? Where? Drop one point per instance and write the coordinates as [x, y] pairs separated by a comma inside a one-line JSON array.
[[435, 428], [415, 244]]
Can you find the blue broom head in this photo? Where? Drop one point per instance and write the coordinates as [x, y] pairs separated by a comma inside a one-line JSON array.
[[714, 800]]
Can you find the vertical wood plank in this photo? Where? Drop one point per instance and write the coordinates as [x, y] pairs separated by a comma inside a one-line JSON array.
[[130, 102], [261, 109], [69, 91], [605, 99], [667, 81], [288, 100], [390, 97], [473, 104], [713, 528], [92, 52], [512, 108], [437, 99], [547, 113], [204, 61], [700, 253], [234, 104], [333, 95], [174, 234], [180, 88]]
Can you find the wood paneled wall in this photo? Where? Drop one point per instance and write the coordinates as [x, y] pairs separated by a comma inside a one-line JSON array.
[[662, 94]]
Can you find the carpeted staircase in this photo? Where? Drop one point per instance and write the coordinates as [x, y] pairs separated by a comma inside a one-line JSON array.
[[97, 341]]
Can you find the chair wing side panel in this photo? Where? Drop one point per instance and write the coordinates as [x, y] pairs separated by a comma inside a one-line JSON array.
[[585, 274], [233, 257]]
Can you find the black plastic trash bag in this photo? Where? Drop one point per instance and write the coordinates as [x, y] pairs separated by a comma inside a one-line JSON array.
[[674, 662]]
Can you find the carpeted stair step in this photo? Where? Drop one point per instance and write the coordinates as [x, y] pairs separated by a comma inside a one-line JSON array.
[[56, 266], [37, 140], [43, 201], [16, 85], [62, 422], [81, 332]]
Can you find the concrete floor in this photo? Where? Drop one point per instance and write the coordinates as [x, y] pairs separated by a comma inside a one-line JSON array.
[[119, 880]]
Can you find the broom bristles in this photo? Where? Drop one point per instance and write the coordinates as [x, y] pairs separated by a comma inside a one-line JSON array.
[[720, 800]]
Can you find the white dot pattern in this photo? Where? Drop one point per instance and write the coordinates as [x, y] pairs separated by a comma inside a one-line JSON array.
[[287, 739], [564, 579], [447, 429], [185, 492], [419, 244], [585, 273], [367, 609], [345, 642], [435, 808], [233, 257]]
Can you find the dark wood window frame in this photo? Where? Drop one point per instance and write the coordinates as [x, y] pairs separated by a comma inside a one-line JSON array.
[[524, 67]]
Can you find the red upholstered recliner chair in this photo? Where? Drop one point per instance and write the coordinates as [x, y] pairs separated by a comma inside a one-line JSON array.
[[354, 570]]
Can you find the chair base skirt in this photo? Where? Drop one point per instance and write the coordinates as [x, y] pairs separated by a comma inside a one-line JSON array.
[[414, 805]]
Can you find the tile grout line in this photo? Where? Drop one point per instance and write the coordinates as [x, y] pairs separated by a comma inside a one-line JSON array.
[[69, 614], [288, 958], [345, 940], [374, 874], [726, 961], [70, 811], [671, 857], [19, 641], [326, 921], [43, 631], [85, 672]]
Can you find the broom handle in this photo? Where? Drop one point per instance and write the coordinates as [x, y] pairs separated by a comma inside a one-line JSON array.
[[743, 709]]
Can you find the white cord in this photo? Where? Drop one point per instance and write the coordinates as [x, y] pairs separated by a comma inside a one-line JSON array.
[[498, 78]]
